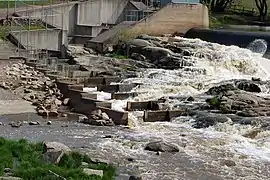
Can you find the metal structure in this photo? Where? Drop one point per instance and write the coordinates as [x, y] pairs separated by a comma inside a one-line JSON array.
[[29, 22]]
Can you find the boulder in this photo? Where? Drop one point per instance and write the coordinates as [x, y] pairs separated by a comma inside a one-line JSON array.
[[93, 172], [161, 146], [204, 120], [54, 151], [249, 86]]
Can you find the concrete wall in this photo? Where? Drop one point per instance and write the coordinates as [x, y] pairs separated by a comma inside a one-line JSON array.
[[52, 39], [94, 13], [172, 18]]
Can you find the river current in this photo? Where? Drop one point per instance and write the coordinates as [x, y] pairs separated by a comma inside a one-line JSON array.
[[218, 152]]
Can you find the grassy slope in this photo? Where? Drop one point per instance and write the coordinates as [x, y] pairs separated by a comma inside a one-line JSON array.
[[26, 161]]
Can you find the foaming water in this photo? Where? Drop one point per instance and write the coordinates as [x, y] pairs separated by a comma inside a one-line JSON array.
[[213, 63]]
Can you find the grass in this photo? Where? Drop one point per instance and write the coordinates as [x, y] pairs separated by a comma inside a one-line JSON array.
[[217, 20], [26, 161]]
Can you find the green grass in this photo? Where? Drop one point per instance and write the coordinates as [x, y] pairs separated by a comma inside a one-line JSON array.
[[26, 161], [217, 20]]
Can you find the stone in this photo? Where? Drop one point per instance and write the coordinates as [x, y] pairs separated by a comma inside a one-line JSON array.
[[10, 178], [85, 164], [249, 86], [1, 124], [190, 98], [7, 170], [27, 91], [138, 57], [53, 113], [64, 115], [93, 172], [228, 162], [15, 124], [66, 101], [42, 112], [133, 177], [54, 151], [204, 120], [161, 146], [49, 122], [105, 116], [82, 118], [222, 89], [57, 102], [33, 123]]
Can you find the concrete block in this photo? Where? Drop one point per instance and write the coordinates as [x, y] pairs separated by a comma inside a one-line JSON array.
[[94, 81], [109, 80], [108, 88], [118, 117], [116, 88], [76, 87], [153, 116], [123, 95], [89, 95], [145, 105]]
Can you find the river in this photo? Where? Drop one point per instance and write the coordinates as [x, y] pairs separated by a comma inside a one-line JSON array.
[[204, 153]]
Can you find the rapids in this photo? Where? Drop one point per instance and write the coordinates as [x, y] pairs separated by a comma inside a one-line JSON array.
[[203, 151]]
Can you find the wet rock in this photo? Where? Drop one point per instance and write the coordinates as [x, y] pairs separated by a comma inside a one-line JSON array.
[[42, 112], [15, 124], [1, 124], [66, 101], [204, 120], [64, 115], [132, 177], [161, 146], [93, 172], [138, 57], [228, 162], [82, 118], [249, 86], [53, 113], [190, 98], [49, 122], [54, 151], [222, 89], [98, 118], [27, 91], [255, 79], [33, 123]]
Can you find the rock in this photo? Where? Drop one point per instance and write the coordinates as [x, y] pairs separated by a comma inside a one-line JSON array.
[[105, 116], [64, 115], [66, 101], [220, 90], [228, 162], [249, 86], [138, 57], [33, 123], [255, 79], [85, 164], [15, 124], [1, 124], [54, 151], [27, 91], [57, 102], [156, 53], [7, 170], [9, 178], [93, 172], [161, 146], [204, 120], [82, 118], [53, 113], [49, 122], [42, 112], [190, 98], [132, 177]]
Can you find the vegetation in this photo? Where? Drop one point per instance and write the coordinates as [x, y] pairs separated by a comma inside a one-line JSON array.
[[26, 161]]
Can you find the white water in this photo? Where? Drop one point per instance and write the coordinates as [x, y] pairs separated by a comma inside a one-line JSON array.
[[215, 63]]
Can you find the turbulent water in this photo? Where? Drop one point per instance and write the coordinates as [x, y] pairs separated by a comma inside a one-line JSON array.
[[203, 151], [219, 152]]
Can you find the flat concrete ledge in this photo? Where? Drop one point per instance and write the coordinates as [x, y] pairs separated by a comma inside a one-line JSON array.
[[145, 105], [124, 95], [154, 116], [116, 88]]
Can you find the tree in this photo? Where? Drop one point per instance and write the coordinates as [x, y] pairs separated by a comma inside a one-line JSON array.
[[217, 5], [262, 7]]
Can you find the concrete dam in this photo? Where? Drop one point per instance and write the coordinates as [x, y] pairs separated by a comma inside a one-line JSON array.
[[86, 22]]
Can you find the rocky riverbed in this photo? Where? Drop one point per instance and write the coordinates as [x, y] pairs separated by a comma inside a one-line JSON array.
[[224, 133]]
